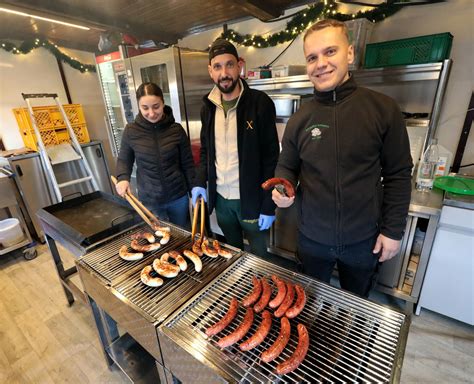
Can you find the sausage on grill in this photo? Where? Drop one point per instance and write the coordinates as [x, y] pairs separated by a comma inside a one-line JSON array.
[[299, 304], [225, 321], [265, 298], [281, 292], [221, 251], [262, 332], [164, 234], [239, 332], [255, 294], [197, 247], [207, 250], [177, 257], [287, 301], [149, 280], [280, 343], [165, 269], [143, 235], [129, 256], [144, 248], [194, 258], [298, 355]]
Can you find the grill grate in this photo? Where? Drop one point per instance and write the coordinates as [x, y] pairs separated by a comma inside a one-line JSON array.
[[351, 339], [159, 302], [107, 263]]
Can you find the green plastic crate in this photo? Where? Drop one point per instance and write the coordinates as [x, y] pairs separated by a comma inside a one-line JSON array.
[[415, 50]]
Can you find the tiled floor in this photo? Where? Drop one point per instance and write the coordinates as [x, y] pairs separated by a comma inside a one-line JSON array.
[[42, 340]]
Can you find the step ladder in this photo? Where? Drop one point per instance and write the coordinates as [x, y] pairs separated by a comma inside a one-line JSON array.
[[79, 155]]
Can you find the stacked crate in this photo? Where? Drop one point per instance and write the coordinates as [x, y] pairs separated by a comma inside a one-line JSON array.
[[51, 125]]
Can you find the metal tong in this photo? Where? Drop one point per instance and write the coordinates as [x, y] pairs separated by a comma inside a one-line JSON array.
[[137, 205], [199, 204]]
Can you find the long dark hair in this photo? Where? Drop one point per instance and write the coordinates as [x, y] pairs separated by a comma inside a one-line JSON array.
[[149, 89]]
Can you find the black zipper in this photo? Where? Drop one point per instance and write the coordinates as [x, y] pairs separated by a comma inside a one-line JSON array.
[[338, 188]]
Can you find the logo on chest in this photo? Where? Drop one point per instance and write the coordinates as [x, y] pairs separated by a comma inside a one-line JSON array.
[[316, 130]]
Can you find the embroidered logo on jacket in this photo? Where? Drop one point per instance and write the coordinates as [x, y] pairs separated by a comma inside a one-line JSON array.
[[316, 130], [249, 124]]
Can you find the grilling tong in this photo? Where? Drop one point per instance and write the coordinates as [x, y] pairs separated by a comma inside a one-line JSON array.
[[143, 211], [199, 204]]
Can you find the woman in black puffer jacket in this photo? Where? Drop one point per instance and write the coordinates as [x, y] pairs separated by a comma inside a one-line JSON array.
[[161, 149]]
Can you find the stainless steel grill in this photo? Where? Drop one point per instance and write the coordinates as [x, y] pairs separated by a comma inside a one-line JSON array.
[[106, 262], [351, 339], [157, 303]]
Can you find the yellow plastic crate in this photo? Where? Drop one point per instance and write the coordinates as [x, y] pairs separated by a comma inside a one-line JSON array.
[[51, 125]]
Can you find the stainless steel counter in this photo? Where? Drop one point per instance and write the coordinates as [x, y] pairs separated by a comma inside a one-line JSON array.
[[460, 201], [429, 203]]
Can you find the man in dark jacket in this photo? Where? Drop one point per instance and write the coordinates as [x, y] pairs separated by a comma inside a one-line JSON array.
[[349, 150], [239, 151]]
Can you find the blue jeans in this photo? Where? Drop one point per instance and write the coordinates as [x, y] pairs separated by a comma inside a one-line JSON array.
[[176, 211], [356, 264]]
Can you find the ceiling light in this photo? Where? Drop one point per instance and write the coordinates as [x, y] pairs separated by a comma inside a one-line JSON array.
[[44, 18]]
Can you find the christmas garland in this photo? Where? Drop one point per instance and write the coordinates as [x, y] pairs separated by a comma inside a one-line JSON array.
[[305, 18], [28, 46]]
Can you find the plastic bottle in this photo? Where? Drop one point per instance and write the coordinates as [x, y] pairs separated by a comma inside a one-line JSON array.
[[445, 157], [427, 167]]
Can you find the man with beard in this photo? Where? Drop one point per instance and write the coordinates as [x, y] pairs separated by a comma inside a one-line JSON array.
[[239, 151]]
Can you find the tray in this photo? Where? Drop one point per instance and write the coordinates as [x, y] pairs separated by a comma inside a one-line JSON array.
[[455, 184]]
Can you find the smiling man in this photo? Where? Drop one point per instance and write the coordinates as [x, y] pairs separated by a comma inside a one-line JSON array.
[[348, 149], [239, 151]]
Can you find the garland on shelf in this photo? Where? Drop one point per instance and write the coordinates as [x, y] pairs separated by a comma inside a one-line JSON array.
[[305, 18], [29, 45]]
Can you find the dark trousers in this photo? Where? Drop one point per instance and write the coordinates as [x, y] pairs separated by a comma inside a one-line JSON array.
[[234, 227], [176, 211], [356, 264]]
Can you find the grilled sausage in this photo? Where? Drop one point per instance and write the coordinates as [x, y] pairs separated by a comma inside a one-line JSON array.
[[255, 294], [281, 293], [239, 332], [177, 257], [265, 298], [262, 332], [197, 247], [299, 304], [147, 279], [194, 258], [144, 248], [165, 236], [165, 269], [290, 364], [207, 250], [221, 251], [225, 321], [287, 301], [288, 188], [143, 235], [280, 343], [124, 254]]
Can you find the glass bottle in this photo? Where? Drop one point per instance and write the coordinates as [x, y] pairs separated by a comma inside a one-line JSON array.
[[427, 167]]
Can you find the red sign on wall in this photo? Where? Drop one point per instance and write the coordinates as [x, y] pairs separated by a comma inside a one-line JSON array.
[[108, 57]]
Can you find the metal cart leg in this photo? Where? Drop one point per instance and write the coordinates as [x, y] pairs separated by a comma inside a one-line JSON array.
[[62, 273]]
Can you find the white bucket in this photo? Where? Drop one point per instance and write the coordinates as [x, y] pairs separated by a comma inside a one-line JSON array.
[[10, 232]]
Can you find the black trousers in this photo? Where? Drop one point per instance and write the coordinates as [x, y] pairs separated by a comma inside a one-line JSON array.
[[356, 264]]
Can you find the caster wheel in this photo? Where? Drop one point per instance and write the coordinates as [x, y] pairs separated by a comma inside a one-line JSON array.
[[30, 253]]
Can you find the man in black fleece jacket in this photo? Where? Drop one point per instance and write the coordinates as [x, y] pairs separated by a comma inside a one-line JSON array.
[[349, 150]]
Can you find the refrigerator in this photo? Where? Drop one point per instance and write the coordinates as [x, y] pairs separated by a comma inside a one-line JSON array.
[[181, 73]]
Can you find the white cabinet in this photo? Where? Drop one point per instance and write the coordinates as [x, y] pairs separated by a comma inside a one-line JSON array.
[[448, 287]]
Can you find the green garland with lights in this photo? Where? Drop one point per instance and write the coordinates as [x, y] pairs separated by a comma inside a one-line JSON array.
[[28, 46], [299, 23]]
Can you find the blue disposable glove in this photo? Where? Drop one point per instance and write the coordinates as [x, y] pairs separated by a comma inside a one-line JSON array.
[[196, 192], [265, 222]]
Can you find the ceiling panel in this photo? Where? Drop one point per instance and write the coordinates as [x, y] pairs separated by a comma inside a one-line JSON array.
[[161, 21]]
